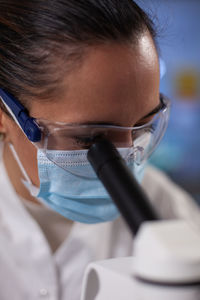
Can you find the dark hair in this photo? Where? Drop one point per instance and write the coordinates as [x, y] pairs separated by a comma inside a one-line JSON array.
[[39, 37]]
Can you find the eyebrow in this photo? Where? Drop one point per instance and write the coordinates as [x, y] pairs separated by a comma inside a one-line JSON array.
[[151, 113], [154, 111], [100, 123]]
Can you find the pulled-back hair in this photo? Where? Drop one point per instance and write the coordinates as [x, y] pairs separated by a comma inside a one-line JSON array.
[[41, 40]]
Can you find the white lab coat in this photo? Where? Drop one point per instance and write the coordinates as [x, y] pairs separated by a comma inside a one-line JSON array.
[[29, 270]]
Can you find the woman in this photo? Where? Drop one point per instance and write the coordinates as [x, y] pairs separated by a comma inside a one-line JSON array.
[[81, 69]]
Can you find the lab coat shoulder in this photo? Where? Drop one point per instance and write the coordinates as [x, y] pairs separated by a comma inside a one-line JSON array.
[[170, 200]]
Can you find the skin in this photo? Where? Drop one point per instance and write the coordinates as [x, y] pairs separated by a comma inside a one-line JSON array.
[[116, 83]]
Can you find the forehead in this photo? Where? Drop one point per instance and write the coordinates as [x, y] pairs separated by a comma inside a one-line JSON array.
[[115, 83]]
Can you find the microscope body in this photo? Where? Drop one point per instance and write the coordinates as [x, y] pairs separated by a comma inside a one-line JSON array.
[[166, 266], [166, 262]]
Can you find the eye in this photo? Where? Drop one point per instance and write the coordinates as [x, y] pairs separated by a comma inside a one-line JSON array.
[[145, 132], [151, 128], [86, 142], [83, 141]]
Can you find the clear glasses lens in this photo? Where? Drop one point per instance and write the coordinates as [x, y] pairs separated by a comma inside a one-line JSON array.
[[147, 139], [135, 144]]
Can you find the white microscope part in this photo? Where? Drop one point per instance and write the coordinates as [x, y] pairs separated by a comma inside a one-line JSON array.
[[167, 261], [168, 251]]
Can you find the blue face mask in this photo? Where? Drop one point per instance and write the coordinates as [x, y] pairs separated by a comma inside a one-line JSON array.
[[75, 197]]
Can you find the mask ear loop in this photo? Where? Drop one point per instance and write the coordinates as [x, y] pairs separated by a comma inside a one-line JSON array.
[[34, 190]]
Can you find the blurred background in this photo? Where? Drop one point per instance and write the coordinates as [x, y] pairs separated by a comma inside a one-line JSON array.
[[178, 24]]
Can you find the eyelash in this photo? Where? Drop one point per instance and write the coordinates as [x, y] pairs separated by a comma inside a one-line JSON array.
[[151, 128], [86, 141], [83, 141]]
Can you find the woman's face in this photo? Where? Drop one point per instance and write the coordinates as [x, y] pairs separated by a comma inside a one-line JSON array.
[[115, 84]]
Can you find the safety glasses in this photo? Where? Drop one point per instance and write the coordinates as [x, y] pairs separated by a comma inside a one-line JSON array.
[[53, 138]]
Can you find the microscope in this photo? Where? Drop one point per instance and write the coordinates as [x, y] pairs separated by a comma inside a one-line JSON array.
[[166, 261]]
